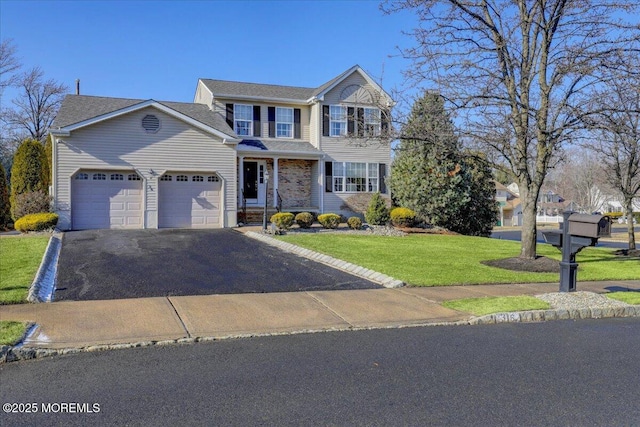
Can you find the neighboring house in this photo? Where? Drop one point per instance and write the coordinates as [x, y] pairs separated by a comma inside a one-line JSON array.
[[126, 163], [549, 206], [509, 203]]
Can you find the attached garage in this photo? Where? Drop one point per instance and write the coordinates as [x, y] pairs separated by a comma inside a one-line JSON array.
[[189, 200], [106, 199]]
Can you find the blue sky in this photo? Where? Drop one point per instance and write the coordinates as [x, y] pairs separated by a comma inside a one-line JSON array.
[[149, 49]]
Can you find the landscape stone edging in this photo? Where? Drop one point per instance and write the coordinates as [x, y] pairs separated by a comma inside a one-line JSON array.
[[356, 270], [12, 354], [41, 289]]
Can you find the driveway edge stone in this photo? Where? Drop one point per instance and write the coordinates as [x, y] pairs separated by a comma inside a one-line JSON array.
[[43, 285], [356, 270]]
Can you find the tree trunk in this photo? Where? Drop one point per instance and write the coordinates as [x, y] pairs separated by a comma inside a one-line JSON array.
[[528, 238], [629, 213]]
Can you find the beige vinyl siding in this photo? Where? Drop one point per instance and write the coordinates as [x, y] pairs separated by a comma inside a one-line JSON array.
[[305, 116], [315, 124], [203, 95], [122, 143], [345, 149]]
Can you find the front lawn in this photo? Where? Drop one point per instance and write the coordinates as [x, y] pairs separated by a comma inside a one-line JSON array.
[[490, 305], [20, 257], [433, 260], [11, 332]]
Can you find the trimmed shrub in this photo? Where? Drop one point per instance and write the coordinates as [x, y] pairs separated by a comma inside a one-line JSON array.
[[31, 203], [354, 223], [282, 220], [29, 171], [402, 217], [377, 212], [5, 204], [36, 222], [304, 219], [329, 220]]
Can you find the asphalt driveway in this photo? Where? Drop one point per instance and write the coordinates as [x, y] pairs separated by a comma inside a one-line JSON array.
[[112, 264]]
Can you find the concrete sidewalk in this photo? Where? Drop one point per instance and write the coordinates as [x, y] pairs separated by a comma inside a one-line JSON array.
[[93, 325]]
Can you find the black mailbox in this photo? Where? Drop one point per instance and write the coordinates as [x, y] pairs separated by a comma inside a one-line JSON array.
[[576, 232], [593, 226]]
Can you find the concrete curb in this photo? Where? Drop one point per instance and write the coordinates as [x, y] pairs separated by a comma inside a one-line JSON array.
[[43, 284], [17, 353], [356, 270]]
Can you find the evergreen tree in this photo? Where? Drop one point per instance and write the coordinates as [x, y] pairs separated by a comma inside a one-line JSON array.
[[5, 206], [48, 150], [427, 174], [29, 172], [479, 215]]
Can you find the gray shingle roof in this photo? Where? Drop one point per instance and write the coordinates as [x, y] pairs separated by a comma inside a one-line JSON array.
[[78, 108], [274, 147], [224, 88]]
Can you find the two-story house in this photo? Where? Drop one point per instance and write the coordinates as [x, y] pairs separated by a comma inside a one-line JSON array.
[[130, 163]]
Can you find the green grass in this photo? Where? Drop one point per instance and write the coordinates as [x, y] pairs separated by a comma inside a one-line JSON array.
[[11, 332], [490, 305], [20, 257], [628, 297], [435, 260]]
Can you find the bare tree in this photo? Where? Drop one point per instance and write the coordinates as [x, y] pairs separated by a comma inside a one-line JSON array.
[[580, 178], [9, 64], [513, 70], [36, 106], [615, 122]]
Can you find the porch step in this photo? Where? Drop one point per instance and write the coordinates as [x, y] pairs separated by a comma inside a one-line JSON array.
[[255, 216]]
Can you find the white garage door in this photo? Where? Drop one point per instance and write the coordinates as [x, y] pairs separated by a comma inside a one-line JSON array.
[[189, 200], [106, 199]]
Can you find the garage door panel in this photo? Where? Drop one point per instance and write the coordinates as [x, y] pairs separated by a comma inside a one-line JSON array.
[[189, 203], [112, 202]]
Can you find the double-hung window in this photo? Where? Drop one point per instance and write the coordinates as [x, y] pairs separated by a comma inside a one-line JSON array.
[[352, 177], [243, 119], [284, 122], [371, 122], [337, 120]]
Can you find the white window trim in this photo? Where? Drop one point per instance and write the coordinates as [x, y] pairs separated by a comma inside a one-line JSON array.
[[287, 123], [369, 168], [235, 119], [344, 121], [377, 123]]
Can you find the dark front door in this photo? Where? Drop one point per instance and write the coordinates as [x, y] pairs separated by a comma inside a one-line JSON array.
[[250, 180]]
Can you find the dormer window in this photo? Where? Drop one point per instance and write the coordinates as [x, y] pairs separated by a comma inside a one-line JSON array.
[[243, 119]]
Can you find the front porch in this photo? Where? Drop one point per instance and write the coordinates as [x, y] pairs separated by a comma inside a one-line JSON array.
[[282, 185]]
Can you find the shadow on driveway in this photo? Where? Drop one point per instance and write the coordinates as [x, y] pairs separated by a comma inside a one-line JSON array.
[[112, 264]]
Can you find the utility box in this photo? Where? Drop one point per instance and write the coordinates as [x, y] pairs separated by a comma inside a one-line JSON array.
[[593, 226]]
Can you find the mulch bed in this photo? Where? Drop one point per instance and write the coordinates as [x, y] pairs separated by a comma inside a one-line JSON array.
[[539, 265]]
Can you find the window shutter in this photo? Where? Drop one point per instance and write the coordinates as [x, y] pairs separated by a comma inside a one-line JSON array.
[[382, 174], [297, 131], [350, 121], [272, 122], [325, 120], [230, 115], [384, 118], [360, 122], [257, 131], [328, 177]]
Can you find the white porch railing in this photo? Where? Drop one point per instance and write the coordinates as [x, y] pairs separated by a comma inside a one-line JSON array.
[[549, 218]]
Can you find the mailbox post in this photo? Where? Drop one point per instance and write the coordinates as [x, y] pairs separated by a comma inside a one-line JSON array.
[[578, 231], [568, 265]]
